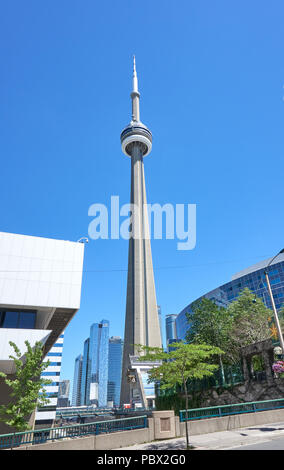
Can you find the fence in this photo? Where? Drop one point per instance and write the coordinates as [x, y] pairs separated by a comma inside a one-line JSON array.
[[9, 441], [225, 410]]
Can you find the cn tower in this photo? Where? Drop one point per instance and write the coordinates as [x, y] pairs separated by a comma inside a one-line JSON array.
[[141, 319]]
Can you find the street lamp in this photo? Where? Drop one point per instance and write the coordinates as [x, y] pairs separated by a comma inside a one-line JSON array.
[[273, 303]]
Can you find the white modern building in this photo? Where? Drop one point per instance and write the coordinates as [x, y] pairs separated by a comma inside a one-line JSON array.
[[40, 291]]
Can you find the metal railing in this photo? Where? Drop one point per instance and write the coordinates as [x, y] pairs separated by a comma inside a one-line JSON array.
[[226, 410], [40, 436], [133, 410]]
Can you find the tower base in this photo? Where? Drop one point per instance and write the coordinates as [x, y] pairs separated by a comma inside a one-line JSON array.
[[141, 393]]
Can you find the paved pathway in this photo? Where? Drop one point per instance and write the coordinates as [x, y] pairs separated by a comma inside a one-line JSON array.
[[223, 440]]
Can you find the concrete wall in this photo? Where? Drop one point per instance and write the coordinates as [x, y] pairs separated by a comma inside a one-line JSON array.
[[141, 436]]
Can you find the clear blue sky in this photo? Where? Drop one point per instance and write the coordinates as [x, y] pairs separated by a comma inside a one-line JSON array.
[[211, 77]]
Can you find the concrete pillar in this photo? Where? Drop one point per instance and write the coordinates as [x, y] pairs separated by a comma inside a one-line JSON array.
[[164, 424]]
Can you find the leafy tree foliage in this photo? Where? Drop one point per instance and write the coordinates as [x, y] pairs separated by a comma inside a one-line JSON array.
[[210, 324], [250, 321], [27, 386], [244, 321], [183, 363]]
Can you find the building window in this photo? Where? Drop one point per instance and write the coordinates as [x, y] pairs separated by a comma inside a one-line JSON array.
[[47, 374], [10, 320], [17, 319]]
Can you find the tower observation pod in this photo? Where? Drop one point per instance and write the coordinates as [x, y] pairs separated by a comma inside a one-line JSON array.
[[136, 132], [141, 318]]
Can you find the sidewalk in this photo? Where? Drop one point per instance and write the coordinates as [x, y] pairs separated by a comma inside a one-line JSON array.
[[218, 440]]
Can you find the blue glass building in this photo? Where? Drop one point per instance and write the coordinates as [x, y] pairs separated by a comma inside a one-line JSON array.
[[76, 394], [85, 371], [114, 370], [97, 377], [253, 278], [160, 321], [171, 332]]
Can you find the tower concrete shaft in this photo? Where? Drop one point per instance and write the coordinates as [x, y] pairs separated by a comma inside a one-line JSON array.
[[141, 320]]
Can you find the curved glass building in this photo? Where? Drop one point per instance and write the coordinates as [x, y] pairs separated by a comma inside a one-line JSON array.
[[253, 278]]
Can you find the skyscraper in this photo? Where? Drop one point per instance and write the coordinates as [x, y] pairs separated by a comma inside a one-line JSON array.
[[141, 319], [160, 323], [171, 331], [97, 376], [114, 370], [76, 393], [85, 371]]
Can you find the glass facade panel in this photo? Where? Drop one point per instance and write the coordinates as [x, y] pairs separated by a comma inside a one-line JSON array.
[[85, 372], [114, 370], [226, 293], [95, 366], [50, 374], [10, 320], [27, 320], [17, 319]]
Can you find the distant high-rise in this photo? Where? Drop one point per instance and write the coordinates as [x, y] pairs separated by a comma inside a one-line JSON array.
[[85, 371], [97, 376], [160, 323], [64, 388], [141, 319], [77, 381], [114, 370], [63, 393], [171, 331]]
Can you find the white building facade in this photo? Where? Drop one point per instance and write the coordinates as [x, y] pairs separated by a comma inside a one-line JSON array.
[[40, 292]]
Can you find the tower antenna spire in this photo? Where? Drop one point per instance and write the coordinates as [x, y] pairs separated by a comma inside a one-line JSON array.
[[135, 95], [135, 79]]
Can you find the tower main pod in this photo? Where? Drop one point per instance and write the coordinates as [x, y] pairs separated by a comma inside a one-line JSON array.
[[141, 319]]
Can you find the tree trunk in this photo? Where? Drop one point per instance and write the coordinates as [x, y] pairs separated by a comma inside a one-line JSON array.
[[222, 370], [186, 414]]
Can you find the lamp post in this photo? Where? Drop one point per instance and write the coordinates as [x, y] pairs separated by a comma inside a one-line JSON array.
[[273, 303]]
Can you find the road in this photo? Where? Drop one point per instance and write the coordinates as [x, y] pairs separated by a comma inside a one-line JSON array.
[[261, 437], [277, 443]]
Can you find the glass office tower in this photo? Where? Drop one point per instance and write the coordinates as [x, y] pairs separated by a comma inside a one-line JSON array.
[[253, 278], [114, 370], [171, 332], [97, 377], [85, 371], [76, 394], [160, 322]]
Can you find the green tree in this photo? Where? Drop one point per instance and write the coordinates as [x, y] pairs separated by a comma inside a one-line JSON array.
[[210, 324], [183, 363], [27, 386], [250, 321]]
